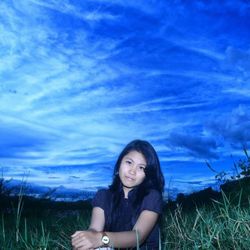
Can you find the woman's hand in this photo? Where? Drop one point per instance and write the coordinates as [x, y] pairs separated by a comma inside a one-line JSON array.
[[83, 240]]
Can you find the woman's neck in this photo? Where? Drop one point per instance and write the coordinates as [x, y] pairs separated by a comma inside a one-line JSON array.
[[126, 190]]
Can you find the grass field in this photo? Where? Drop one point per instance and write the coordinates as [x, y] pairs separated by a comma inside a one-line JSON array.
[[220, 224]]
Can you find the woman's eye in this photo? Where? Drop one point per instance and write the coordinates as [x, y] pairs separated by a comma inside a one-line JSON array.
[[141, 168], [128, 162]]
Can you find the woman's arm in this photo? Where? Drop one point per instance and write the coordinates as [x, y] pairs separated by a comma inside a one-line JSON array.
[[92, 239], [142, 228], [97, 220]]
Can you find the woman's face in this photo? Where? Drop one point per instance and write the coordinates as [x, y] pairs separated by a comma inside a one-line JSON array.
[[131, 171]]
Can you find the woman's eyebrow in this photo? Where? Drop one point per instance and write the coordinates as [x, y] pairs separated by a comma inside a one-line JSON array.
[[127, 157]]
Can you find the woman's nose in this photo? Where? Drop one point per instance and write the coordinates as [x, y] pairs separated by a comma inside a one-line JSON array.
[[132, 169]]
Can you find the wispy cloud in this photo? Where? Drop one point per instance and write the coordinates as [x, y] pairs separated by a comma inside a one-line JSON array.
[[84, 12]]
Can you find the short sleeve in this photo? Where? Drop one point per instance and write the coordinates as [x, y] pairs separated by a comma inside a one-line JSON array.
[[153, 202], [100, 199]]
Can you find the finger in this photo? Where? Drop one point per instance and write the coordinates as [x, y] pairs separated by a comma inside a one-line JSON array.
[[81, 247], [75, 234], [78, 242], [76, 239], [81, 243]]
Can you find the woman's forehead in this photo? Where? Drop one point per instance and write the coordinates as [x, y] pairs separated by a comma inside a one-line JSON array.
[[136, 156]]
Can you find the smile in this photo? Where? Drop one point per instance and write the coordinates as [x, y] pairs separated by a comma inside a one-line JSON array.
[[129, 178]]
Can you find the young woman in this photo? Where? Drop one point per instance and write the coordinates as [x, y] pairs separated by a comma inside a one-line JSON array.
[[127, 213]]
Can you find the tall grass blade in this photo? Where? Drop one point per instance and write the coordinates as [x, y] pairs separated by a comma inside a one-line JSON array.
[[137, 240], [159, 239], [3, 228], [25, 230], [19, 212]]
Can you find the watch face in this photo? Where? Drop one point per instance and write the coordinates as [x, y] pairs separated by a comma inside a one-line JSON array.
[[105, 239]]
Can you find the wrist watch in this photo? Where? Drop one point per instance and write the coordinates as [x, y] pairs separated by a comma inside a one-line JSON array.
[[105, 239]]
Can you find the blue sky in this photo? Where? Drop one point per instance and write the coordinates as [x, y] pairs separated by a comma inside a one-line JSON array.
[[80, 79]]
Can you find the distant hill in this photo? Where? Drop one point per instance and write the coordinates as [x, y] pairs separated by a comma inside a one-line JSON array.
[[234, 190], [59, 193], [65, 198]]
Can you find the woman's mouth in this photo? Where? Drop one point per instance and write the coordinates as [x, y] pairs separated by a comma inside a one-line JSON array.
[[129, 178]]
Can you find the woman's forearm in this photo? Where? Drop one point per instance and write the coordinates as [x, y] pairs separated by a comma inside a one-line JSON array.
[[93, 239], [123, 239]]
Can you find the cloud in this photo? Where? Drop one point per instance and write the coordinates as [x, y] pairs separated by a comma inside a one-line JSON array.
[[84, 12], [214, 6], [241, 91], [156, 105], [238, 61], [17, 140], [197, 146], [238, 58], [234, 127]]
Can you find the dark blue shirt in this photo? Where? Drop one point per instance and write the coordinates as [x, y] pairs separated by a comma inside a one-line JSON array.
[[126, 216]]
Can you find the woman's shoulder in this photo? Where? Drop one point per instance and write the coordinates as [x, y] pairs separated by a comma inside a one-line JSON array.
[[152, 201], [153, 193], [101, 198], [104, 192]]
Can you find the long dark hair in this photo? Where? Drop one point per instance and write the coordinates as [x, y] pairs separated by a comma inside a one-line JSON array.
[[154, 178]]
